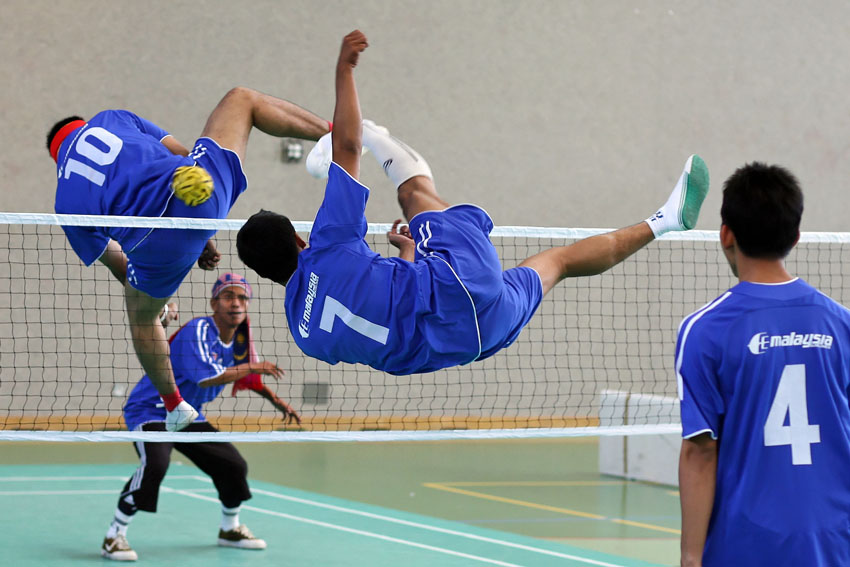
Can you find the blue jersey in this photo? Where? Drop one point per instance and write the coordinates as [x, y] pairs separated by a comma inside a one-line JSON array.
[[113, 165], [347, 303], [765, 369], [197, 354]]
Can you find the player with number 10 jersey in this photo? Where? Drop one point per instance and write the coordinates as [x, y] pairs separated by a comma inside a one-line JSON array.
[[115, 164], [121, 165], [765, 370]]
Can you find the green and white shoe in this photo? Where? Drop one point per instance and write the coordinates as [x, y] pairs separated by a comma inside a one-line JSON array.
[[681, 210]]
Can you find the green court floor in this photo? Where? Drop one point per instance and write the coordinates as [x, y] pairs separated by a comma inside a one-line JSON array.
[[379, 504]]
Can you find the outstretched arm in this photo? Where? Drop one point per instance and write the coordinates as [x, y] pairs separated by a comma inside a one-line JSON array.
[[289, 414], [234, 373], [347, 120]]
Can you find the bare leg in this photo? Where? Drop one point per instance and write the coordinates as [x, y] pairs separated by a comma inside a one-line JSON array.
[[419, 194], [590, 256], [597, 254], [149, 339], [242, 109]]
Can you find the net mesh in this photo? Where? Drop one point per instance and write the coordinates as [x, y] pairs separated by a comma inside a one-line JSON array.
[[67, 363]]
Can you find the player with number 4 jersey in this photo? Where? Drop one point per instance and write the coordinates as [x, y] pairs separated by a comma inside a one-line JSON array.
[[120, 164], [764, 374]]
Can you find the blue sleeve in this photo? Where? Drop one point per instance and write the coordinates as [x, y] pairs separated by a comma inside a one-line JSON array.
[[342, 217], [702, 404], [144, 126], [190, 353], [87, 242]]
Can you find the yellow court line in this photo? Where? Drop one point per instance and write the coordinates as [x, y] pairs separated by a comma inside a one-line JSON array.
[[452, 487], [541, 483], [485, 496], [647, 526]]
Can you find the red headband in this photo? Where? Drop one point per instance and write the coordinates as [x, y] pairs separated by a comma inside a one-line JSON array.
[[62, 134]]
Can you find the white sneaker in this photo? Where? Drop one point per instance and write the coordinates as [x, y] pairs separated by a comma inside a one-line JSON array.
[[383, 131], [681, 210], [181, 417], [117, 549], [241, 537], [319, 159]]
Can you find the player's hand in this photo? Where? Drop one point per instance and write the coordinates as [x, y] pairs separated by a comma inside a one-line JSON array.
[[210, 257], [352, 46], [169, 313], [289, 414], [267, 368], [399, 235]]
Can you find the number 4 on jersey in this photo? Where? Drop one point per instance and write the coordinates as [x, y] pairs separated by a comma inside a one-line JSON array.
[[790, 400]]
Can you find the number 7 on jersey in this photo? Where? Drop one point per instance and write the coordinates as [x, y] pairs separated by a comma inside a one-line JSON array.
[[334, 308]]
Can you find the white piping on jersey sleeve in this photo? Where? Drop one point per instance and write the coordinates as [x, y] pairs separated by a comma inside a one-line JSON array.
[[693, 319], [700, 432], [204, 349]]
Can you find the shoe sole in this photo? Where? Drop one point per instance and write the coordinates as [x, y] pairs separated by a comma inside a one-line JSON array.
[[318, 167], [372, 126], [244, 544], [111, 556], [696, 189]]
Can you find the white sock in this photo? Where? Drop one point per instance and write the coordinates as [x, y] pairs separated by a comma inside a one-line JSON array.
[[119, 524], [400, 161], [682, 207], [229, 518]]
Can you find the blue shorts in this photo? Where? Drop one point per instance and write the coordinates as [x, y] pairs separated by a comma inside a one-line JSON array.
[[160, 262], [504, 300]]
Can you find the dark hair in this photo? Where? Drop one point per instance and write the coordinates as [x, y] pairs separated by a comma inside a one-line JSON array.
[[58, 126], [763, 205], [267, 245]]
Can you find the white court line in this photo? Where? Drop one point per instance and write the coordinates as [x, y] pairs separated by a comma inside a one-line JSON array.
[[57, 478], [428, 527], [353, 531], [53, 492]]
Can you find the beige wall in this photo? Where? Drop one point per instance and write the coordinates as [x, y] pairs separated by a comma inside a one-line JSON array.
[[549, 113]]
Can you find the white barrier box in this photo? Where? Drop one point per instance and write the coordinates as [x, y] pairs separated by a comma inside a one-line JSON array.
[[650, 458]]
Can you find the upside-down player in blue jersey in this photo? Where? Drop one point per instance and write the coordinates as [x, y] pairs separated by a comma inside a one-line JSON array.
[[207, 353], [446, 301], [764, 375], [120, 164]]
